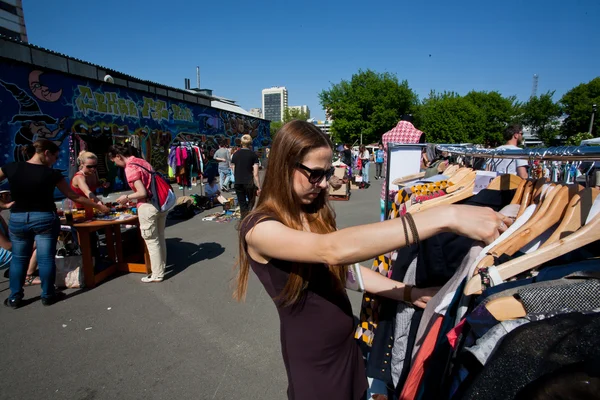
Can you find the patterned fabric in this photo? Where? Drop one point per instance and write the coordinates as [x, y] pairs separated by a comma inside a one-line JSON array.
[[369, 309], [581, 296], [404, 132]]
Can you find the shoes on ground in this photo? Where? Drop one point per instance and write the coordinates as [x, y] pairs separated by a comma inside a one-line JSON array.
[[58, 296], [14, 304], [150, 279]]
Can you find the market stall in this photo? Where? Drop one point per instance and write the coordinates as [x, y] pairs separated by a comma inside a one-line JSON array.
[[114, 226]]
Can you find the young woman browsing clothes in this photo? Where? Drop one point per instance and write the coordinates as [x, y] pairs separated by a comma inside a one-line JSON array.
[[291, 243]]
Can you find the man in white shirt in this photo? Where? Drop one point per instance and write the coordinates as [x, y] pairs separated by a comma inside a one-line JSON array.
[[513, 136]]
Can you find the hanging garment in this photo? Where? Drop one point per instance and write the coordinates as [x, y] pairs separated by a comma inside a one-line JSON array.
[[536, 349], [413, 381]]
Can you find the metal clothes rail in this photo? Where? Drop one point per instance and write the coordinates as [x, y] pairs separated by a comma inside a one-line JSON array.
[[562, 153]]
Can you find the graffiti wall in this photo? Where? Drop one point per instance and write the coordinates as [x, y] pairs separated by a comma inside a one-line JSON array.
[[72, 111]]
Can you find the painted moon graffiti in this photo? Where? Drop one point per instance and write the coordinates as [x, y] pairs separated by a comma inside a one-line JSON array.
[[40, 91]]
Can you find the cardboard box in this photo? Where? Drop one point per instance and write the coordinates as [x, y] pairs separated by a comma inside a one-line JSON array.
[[342, 191]]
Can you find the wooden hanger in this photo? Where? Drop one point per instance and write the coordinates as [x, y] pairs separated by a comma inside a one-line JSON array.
[[575, 214], [535, 226], [505, 182], [451, 170], [459, 175], [408, 178], [519, 193], [526, 197], [587, 234], [505, 308], [466, 180], [538, 188]]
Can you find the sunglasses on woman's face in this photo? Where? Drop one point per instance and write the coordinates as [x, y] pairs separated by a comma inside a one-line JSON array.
[[316, 175], [91, 166]]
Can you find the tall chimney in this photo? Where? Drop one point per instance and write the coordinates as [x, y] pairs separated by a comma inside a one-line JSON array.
[[198, 76]]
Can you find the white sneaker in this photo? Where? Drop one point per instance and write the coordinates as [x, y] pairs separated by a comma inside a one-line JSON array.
[[150, 279]]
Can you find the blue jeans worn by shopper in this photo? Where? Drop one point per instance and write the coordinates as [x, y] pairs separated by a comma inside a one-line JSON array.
[[365, 172], [25, 227], [224, 177]]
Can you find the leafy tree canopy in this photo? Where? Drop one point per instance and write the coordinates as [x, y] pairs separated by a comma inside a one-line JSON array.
[[370, 103], [577, 105], [289, 114], [478, 117], [541, 115]]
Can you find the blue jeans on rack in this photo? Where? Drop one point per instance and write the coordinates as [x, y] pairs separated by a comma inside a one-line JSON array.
[[24, 228]]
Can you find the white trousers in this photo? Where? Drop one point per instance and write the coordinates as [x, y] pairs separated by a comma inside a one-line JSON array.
[[152, 227]]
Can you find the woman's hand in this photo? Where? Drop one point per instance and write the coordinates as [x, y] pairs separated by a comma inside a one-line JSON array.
[[479, 223], [122, 200], [420, 297], [103, 208]]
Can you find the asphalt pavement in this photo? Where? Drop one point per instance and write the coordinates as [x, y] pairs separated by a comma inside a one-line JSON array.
[[184, 338]]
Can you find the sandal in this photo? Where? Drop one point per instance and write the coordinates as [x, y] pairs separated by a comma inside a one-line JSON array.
[[31, 280]]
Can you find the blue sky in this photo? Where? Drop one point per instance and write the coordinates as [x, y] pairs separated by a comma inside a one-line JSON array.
[[244, 46]]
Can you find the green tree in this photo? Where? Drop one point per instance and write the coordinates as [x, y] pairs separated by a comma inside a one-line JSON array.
[[496, 112], [575, 140], [370, 104], [577, 105], [449, 118], [275, 127], [290, 114], [478, 117], [541, 114]]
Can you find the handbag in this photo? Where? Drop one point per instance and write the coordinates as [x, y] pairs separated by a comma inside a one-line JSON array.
[[68, 272]]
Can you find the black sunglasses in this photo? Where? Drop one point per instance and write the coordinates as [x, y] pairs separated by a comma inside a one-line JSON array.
[[317, 175], [91, 166]]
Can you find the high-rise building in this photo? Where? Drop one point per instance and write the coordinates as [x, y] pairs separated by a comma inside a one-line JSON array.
[[274, 102], [257, 112], [303, 109], [12, 20]]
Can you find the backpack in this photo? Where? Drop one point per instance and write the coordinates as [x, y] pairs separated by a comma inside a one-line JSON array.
[[161, 193]]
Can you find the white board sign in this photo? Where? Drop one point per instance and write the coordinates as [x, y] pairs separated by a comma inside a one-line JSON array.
[[403, 161], [483, 179]]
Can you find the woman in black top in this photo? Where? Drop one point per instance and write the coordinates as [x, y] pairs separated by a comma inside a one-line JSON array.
[[290, 241], [33, 217]]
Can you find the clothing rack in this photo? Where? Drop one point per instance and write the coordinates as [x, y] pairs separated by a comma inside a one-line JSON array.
[[562, 153]]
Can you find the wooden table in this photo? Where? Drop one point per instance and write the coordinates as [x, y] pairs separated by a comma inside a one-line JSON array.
[[114, 244]]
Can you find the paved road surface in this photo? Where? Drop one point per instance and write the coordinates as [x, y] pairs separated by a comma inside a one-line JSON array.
[[182, 339]]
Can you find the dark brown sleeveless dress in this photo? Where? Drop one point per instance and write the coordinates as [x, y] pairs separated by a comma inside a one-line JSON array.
[[321, 356]]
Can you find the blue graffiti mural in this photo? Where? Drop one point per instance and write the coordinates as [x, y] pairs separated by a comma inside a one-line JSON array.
[[35, 103]]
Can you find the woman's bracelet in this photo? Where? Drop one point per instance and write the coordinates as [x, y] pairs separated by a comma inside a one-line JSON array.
[[407, 243], [407, 295], [413, 228]]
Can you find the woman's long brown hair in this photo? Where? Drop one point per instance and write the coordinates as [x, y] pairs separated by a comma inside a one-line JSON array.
[[277, 199]]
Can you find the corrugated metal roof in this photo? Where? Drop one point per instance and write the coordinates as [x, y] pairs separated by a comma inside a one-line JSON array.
[[230, 107]]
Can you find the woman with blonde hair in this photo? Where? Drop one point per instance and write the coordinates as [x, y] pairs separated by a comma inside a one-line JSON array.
[[85, 182], [291, 243]]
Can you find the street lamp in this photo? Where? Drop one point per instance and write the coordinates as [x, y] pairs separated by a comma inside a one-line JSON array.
[[594, 109]]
